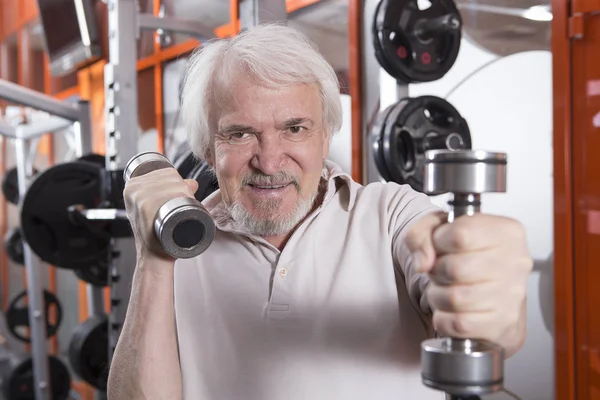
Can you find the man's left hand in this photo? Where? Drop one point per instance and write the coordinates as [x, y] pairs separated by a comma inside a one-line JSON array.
[[478, 267]]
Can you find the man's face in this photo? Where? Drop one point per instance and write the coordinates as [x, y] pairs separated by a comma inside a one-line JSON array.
[[268, 154]]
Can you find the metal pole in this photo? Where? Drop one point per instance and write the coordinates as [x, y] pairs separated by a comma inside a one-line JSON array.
[[120, 85], [95, 300], [20, 95], [37, 317], [255, 12], [370, 89], [83, 129]]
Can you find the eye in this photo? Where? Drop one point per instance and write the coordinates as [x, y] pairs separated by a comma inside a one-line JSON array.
[[296, 129]]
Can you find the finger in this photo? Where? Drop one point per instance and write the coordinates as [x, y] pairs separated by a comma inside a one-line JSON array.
[[465, 298], [477, 232], [420, 243], [192, 184], [478, 267], [478, 325]]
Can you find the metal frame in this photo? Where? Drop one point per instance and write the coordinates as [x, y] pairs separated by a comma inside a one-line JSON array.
[[65, 115]]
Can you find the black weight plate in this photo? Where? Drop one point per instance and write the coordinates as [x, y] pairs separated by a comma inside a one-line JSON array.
[[18, 382], [97, 159], [401, 53], [412, 128], [88, 351], [380, 53], [377, 142], [388, 125], [10, 186], [96, 274], [207, 182], [185, 164], [13, 245], [17, 316], [47, 226]]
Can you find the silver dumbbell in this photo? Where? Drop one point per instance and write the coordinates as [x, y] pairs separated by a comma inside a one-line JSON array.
[[182, 226], [463, 367]]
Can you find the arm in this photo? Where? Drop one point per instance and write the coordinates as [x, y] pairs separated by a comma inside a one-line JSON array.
[[407, 206], [145, 364]]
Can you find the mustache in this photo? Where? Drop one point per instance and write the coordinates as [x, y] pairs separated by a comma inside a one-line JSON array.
[[281, 177]]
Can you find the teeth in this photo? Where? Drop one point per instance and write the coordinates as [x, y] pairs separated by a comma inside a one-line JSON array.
[[269, 187]]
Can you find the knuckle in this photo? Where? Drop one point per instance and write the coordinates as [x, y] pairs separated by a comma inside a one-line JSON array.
[[526, 263], [452, 270], [455, 297], [518, 228], [460, 236], [519, 292], [461, 324], [512, 317]]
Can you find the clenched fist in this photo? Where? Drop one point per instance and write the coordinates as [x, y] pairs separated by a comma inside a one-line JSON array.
[[478, 266], [144, 195]]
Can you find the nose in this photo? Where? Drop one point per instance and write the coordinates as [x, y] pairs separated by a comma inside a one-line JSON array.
[[269, 154]]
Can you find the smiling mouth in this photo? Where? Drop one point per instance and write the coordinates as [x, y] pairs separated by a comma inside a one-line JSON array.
[[269, 187]]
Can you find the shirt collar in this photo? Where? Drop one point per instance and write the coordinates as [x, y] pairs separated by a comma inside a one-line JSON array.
[[333, 174]]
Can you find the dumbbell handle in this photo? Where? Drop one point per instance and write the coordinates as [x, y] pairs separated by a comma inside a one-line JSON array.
[[427, 28], [182, 225]]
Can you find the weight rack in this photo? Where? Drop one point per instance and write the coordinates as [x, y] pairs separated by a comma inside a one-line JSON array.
[[63, 115]]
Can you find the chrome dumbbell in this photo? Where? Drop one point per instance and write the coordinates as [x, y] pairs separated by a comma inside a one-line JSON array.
[[463, 368], [182, 226]]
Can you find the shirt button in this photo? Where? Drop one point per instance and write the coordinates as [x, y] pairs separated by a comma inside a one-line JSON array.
[[283, 272]]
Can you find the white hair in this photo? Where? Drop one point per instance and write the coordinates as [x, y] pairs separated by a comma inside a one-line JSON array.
[[274, 55]]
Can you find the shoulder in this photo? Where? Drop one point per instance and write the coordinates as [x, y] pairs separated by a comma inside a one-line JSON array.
[[392, 197]]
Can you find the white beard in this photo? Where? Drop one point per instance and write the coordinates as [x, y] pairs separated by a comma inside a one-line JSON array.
[[275, 224]]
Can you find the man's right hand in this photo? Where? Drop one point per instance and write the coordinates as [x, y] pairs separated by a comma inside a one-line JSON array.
[[144, 195]]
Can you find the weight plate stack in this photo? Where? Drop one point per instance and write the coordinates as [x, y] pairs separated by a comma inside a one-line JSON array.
[[88, 351], [411, 127]]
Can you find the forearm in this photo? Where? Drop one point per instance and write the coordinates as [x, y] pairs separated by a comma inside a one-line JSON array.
[[145, 364]]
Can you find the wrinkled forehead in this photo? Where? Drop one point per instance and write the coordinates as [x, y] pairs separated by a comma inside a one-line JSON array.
[[244, 98]]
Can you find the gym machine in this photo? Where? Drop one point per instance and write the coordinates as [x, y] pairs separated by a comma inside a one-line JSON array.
[[424, 142], [63, 115]]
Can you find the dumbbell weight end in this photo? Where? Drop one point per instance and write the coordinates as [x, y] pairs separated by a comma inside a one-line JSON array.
[[182, 225], [462, 367]]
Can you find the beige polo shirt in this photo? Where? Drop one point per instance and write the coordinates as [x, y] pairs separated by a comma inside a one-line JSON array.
[[339, 314]]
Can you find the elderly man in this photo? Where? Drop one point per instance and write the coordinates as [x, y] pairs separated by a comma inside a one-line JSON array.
[[315, 287]]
